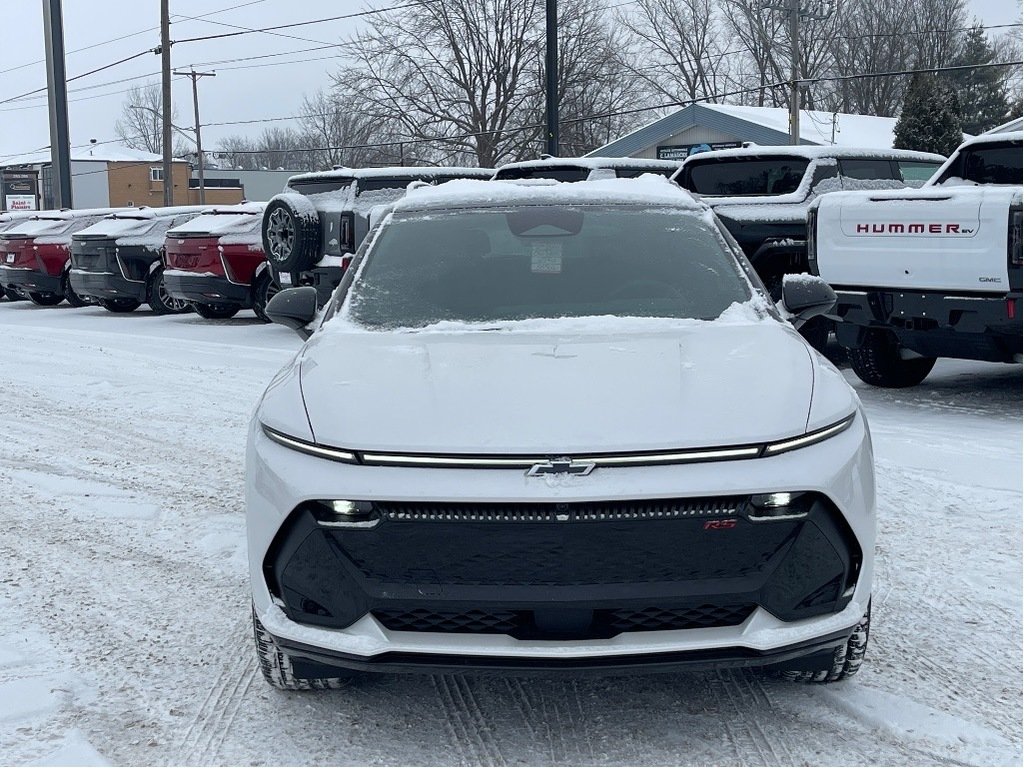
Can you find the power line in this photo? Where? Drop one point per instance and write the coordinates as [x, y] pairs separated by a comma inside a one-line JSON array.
[[84, 74], [200, 17], [293, 25]]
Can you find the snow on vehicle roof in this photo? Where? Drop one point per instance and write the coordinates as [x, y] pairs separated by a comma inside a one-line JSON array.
[[993, 138], [813, 153], [54, 223], [413, 172], [649, 189], [593, 163], [139, 226], [223, 220]]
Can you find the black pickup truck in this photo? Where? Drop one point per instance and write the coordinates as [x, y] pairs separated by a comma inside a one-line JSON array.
[[761, 195]]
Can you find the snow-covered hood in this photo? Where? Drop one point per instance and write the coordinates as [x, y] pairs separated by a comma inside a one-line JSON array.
[[495, 392]]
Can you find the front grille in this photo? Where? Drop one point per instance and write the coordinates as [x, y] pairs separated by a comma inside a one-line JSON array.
[[587, 624], [580, 512], [561, 544], [476, 622]]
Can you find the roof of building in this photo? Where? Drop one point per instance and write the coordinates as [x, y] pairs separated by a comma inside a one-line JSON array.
[[768, 126], [1013, 125], [99, 153]]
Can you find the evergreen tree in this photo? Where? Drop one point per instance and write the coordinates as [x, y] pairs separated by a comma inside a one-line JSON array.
[[983, 102], [930, 119]]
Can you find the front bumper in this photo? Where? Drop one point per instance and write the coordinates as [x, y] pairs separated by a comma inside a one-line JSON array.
[[934, 323], [206, 289], [106, 285], [280, 480], [30, 281]]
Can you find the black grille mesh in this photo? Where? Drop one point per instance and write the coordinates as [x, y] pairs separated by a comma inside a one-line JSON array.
[[605, 623]]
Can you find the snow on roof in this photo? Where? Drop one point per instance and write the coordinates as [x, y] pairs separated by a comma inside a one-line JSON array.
[[768, 126], [650, 189], [138, 221], [106, 153], [1010, 127], [593, 163], [57, 223], [822, 128], [413, 172], [813, 152], [992, 138]]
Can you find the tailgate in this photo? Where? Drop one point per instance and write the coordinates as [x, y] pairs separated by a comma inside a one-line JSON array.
[[940, 240]]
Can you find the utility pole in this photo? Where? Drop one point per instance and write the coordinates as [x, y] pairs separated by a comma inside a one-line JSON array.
[[165, 70], [551, 67], [794, 72], [57, 94], [199, 138], [797, 9]]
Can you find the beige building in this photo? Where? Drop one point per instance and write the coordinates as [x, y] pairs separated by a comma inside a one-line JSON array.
[[105, 176]]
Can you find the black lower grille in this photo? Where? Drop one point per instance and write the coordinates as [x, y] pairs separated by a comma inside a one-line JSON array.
[[585, 624]]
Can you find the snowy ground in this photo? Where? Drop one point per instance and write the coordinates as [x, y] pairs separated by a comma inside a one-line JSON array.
[[124, 624]]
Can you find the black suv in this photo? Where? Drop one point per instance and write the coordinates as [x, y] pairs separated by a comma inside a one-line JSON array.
[[311, 230]]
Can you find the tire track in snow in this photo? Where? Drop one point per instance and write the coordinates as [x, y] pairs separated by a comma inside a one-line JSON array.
[[213, 720], [744, 734], [471, 727]]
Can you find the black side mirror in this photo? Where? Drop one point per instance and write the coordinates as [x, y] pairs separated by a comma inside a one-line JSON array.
[[806, 296], [294, 308]]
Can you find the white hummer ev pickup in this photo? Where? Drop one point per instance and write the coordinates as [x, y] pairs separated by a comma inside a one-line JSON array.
[[927, 273]]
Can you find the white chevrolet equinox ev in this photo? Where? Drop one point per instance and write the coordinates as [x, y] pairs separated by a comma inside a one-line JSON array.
[[557, 427]]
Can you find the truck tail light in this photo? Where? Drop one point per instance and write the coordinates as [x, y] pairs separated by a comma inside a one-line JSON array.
[[345, 261], [346, 237], [812, 240], [1013, 239]]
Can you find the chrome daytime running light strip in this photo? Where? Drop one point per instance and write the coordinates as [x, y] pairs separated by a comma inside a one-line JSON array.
[[313, 450], [522, 462], [399, 459], [681, 457], [809, 439]]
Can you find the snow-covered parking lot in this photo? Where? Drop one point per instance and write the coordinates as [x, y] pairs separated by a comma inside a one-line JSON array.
[[124, 612]]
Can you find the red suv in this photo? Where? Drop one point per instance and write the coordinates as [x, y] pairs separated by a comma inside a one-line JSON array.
[[216, 262], [35, 255]]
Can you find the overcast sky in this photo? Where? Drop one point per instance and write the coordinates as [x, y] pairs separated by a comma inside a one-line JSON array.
[[240, 91]]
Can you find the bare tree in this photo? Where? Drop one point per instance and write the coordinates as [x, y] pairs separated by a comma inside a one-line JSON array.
[[678, 47], [340, 132], [277, 148], [455, 73], [140, 125]]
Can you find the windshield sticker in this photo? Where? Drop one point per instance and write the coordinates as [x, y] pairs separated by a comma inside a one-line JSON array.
[[547, 258]]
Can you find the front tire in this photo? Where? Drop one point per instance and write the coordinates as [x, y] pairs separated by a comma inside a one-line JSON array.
[[278, 670], [266, 288], [160, 301], [216, 311], [46, 299], [847, 659], [878, 362]]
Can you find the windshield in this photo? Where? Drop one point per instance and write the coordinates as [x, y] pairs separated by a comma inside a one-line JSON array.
[[491, 265], [556, 172], [742, 176], [988, 164]]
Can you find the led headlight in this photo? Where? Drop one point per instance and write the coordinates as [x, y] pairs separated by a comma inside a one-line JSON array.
[[342, 513], [781, 505]]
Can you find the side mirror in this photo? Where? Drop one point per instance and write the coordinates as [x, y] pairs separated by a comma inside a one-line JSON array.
[[294, 308], [804, 297]]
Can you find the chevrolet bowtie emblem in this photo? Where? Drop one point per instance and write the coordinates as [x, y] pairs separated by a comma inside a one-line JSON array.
[[561, 466]]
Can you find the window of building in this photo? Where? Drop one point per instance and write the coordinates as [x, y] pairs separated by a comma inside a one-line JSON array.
[[156, 174]]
